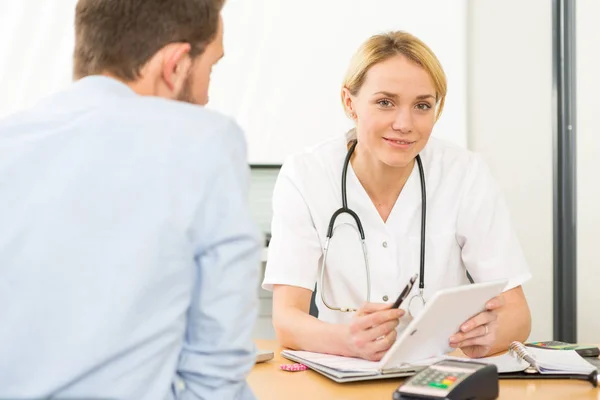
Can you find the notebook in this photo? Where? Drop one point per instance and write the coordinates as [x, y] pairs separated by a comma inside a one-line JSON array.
[[347, 369], [543, 361], [423, 342]]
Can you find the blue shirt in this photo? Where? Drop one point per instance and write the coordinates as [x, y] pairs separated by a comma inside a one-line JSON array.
[[129, 264]]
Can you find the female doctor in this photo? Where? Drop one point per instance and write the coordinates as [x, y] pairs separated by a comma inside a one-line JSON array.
[[424, 206]]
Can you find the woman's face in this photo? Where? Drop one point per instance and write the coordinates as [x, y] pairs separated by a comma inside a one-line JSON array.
[[394, 111]]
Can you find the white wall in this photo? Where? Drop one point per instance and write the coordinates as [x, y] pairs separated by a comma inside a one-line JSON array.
[[588, 170], [36, 48], [285, 62], [509, 110], [510, 124], [284, 66]]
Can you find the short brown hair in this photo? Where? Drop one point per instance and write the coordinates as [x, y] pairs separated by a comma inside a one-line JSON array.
[[120, 36]]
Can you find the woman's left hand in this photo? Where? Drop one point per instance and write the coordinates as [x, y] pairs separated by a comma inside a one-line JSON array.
[[477, 335]]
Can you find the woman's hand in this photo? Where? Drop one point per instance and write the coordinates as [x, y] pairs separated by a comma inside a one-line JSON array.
[[477, 335], [372, 331]]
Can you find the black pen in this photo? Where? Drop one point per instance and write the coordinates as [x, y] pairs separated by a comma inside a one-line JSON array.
[[406, 291]]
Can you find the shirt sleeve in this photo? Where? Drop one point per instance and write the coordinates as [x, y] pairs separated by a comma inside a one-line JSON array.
[[490, 247], [294, 250], [218, 350]]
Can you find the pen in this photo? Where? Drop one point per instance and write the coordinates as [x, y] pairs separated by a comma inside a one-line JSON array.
[[406, 291]]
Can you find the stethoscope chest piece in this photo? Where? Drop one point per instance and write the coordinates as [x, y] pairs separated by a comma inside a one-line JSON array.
[[416, 304]]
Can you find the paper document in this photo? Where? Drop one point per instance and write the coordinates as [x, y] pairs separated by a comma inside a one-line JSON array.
[[546, 362], [505, 363], [349, 364], [339, 363], [560, 361]]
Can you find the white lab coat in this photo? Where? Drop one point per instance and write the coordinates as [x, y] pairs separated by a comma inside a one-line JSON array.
[[468, 228]]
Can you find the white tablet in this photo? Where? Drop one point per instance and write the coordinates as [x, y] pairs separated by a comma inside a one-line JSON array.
[[429, 333]]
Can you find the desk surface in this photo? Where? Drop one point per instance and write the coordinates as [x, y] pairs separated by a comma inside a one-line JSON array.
[[269, 382]]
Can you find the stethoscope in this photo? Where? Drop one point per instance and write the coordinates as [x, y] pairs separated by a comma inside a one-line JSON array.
[[418, 298]]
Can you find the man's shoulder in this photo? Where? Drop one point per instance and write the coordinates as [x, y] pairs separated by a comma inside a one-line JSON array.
[[116, 114], [183, 127], [184, 118]]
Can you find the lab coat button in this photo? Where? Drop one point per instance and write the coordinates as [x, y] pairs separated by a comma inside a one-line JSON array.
[[384, 244], [385, 298]]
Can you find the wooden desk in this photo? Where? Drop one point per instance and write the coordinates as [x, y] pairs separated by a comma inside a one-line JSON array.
[[270, 383]]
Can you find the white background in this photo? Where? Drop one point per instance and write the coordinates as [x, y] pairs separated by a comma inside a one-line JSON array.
[[505, 48], [285, 62], [588, 171], [510, 125], [36, 49]]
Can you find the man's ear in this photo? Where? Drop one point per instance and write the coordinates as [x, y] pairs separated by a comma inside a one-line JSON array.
[[176, 66]]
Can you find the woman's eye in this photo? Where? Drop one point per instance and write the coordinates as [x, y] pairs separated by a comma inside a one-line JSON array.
[[423, 106], [384, 103]]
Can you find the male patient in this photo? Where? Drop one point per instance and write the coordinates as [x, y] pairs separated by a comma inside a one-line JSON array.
[[128, 260]]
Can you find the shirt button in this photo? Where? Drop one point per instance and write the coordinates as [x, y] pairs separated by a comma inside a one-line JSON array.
[[384, 244], [385, 298]]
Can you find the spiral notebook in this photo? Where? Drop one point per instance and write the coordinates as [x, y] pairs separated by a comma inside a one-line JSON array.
[[543, 361]]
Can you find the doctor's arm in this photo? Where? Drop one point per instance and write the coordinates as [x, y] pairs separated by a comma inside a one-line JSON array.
[[491, 251], [218, 351], [370, 333]]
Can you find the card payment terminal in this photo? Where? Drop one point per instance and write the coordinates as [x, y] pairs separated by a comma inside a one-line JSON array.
[[452, 380]]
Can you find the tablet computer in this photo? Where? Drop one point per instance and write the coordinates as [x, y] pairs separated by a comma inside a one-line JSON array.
[[424, 340], [428, 334]]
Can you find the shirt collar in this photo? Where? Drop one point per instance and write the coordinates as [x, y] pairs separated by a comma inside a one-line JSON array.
[[104, 86]]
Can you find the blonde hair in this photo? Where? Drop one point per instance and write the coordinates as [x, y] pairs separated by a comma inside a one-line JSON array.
[[381, 47]]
